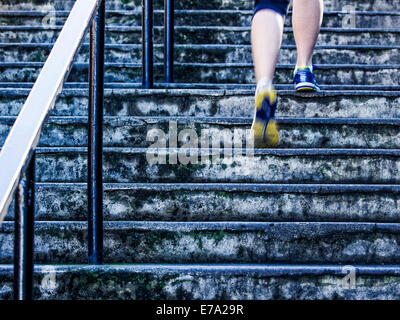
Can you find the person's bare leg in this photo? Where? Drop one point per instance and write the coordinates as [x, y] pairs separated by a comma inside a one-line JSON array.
[[306, 20], [266, 39]]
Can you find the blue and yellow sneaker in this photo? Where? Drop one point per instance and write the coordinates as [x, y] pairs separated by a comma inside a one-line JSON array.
[[264, 128], [304, 80]]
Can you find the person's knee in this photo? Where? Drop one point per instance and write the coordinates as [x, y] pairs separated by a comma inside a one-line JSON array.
[[279, 6]]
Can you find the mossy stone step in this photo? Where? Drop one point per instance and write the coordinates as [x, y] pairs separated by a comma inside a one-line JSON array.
[[209, 54], [215, 242], [209, 282], [218, 17], [205, 35], [367, 166], [334, 5], [328, 74], [216, 103], [294, 133], [221, 202]]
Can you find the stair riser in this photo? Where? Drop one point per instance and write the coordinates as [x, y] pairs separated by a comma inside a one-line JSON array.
[[179, 103], [125, 167], [212, 55], [205, 18], [292, 135], [69, 203], [287, 243], [133, 134], [54, 134], [219, 74], [215, 35], [331, 5], [137, 285]]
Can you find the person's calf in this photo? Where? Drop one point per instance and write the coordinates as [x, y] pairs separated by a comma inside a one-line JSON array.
[[306, 20], [266, 40]]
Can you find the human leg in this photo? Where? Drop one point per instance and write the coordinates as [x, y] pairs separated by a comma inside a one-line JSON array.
[[266, 39], [306, 20]]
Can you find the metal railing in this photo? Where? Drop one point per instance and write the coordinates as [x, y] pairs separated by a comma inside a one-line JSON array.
[[169, 25], [17, 157], [147, 43]]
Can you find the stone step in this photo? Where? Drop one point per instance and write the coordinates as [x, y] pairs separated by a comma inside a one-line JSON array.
[[216, 103], [351, 74], [209, 282], [330, 5], [347, 166], [209, 86], [358, 54], [222, 202], [220, 17], [205, 35], [215, 242], [294, 132]]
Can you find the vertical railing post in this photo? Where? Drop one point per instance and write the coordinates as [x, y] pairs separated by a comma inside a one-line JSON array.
[[147, 44], [95, 140], [169, 41], [24, 234]]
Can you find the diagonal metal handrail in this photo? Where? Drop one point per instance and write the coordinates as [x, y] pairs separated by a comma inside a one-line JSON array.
[[17, 157], [24, 135]]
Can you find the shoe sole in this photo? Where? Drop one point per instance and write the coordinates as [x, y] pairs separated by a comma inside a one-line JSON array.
[[306, 86], [265, 137], [265, 134]]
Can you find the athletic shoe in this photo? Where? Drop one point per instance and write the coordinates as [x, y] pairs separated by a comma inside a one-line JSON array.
[[304, 80], [264, 128]]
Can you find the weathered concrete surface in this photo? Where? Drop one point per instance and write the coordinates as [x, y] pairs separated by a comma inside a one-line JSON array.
[[272, 166], [204, 282], [295, 133], [68, 131], [210, 54], [187, 17], [215, 242], [54, 242], [336, 5], [215, 73], [204, 35], [218, 103], [126, 202]]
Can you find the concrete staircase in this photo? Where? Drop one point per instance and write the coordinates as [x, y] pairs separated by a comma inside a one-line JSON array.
[[279, 224]]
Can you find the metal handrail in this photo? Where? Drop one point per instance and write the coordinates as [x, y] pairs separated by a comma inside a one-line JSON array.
[[169, 41], [24, 135], [17, 157], [148, 43], [18, 152]]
